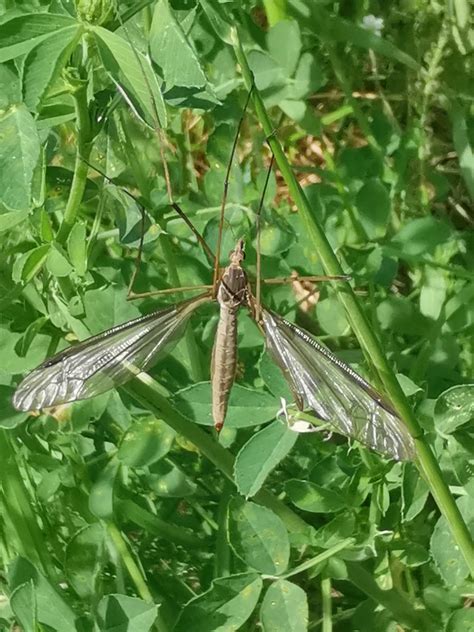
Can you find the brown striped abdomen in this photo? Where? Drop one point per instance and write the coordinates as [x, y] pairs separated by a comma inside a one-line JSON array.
[[224, 363]]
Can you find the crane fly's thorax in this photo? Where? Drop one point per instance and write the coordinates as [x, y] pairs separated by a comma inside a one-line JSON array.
[[232, 291]]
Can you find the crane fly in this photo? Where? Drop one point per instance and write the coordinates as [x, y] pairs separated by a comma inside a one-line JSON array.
[[318, 380]]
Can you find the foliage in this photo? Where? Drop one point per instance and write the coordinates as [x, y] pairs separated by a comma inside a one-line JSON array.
[[120, 512]]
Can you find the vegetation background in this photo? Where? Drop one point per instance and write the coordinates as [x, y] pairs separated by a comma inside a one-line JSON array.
[[121, 513]]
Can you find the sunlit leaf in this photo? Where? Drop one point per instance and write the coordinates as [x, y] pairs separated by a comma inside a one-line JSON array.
[[260, 455], [45, 62], [258, 536], [284, 608], [121, 613], [19, 155], [226, 605]]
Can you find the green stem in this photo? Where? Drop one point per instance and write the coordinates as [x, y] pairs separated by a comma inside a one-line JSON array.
[[84, 146], [18, 509], [391, 599], [318, 559], [130, 564], [222, 560], [326, 605], [361, 326], [130, 511]]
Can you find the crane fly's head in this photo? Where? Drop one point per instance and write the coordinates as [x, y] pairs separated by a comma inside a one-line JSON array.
[[237, 255]]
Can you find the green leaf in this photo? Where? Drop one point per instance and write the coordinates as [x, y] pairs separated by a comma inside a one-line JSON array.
[[10, 220], [23, 604], [10, 86], [274, 239], [433, 293], [284, 44], [171, 482], [10, 348], [29, 335], [146, 442], [247, 407], [120, 613], [218, 20], [83, 559], [51, 609], [101, 497], [461, 621], [273, 377], [454, 408], [30, 263], [408, 386], [267, 73], [44, 63], [332, 316], [77, 248], [420, 236], [463, 147], [444, 550], [9, 417], [21, 33], [461, 454], [373, 204], [258, 536], [124, 63], [57, 263], [311, 497], [106, 307], [284, 608], [171, 50], [225, 606], [19, 155], [260, 455]]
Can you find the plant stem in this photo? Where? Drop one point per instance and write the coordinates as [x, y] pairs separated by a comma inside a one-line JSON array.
[[130, 564], [361, 326], [84, 146], [18, 510], [326, 605], [391, 599]]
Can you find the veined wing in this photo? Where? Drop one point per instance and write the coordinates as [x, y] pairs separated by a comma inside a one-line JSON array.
[[105, 360], [337, 394]]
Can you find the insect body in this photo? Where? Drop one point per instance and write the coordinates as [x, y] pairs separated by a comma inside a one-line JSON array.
[[318, 380], [232, 294]]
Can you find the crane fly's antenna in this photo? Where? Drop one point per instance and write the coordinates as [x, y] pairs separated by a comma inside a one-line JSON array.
[[226, 189]]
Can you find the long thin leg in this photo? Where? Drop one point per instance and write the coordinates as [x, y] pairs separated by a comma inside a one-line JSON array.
[[312, 279], [196, 233], [138, 260], [224, 196], [131, 295], [170, 290]]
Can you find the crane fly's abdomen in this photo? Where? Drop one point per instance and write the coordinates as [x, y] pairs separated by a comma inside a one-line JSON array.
[[232, 294], [224, 364]]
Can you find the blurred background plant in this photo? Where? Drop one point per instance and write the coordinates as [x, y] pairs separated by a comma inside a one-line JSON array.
[[120, 510]]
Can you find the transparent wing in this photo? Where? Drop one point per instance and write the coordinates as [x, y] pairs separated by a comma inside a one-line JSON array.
[[337, 394], [104, 361]]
